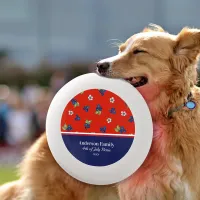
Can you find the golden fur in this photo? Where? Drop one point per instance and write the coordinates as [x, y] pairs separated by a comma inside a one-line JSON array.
[[172, 168], [43, 179]]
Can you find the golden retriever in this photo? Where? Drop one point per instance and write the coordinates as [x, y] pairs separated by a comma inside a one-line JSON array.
[[163, 69]]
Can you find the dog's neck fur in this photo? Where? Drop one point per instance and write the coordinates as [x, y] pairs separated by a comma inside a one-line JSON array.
[[162, 98], [172, 145]]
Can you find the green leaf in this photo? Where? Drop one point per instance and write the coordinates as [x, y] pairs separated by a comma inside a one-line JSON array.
[[76, 104], [64, 127], [98, 112], [116, 130]]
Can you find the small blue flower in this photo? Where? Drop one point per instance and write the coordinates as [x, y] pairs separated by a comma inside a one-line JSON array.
[[73, 101], [103, 129], [122, 130], [87, 126], [98, 108], [102, 92], [86, 108], [77, 118], [131, 119], [69, 128], [112, 111]]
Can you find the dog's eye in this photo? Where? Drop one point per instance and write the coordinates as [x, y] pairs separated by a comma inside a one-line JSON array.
[[136, 51]]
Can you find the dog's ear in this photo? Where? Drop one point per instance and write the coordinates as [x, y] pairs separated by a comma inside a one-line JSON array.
[[187, 45]]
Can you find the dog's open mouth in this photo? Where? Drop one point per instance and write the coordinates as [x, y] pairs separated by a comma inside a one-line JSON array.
[[137, 81]]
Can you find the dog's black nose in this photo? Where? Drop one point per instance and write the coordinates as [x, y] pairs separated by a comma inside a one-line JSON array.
[[102, 67]]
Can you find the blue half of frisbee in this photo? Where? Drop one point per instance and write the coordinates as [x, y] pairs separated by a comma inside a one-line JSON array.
[[97, 151]]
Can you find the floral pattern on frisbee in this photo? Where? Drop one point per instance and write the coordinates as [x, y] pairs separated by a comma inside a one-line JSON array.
[[99, 130], [97, 127]]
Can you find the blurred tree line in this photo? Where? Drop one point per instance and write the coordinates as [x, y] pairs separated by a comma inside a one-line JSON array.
[[13, 74], [18, 76]]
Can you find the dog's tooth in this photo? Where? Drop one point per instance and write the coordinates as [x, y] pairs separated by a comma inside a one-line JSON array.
[[134, 80], [139, 78]]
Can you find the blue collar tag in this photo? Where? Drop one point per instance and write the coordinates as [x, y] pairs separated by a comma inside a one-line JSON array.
[[190, 105]]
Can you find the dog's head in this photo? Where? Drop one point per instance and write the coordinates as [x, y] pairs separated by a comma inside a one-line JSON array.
[[155, 60]]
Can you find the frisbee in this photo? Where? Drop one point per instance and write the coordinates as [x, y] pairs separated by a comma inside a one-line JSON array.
[[99, 130]]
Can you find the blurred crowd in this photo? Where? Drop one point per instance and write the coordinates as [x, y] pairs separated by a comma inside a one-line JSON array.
[[23, 112]]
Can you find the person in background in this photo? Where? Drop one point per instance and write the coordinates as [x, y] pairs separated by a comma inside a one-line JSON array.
[[30, 95], [18, 121], [40, 110], [4, 109], [3, 129], [57, 81]]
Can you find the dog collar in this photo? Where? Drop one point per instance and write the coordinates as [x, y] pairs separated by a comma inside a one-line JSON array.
[[188, 104]]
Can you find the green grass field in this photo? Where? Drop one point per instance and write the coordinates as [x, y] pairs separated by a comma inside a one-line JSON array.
[[7, 174]]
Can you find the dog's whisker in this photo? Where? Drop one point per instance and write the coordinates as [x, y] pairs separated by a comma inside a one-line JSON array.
[[115, 45], [115, 40]]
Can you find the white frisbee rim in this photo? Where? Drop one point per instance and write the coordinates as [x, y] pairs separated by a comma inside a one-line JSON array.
[[138, 151]]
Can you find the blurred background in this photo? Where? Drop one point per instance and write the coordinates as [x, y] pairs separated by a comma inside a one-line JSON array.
[[46, 43]]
